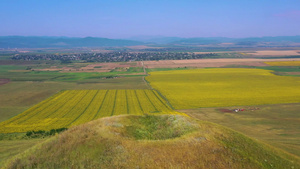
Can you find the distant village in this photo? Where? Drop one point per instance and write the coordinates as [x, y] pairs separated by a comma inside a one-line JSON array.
[[115, 56]]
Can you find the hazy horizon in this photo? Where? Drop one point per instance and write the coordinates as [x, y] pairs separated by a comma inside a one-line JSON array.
[[119, 19]]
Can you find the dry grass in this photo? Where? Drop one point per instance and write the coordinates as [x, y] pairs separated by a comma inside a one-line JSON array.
[[10, 148], [4, 81], [277, 125], [105, 143]]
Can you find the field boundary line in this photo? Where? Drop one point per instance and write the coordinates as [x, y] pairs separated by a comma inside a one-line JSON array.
[[84, 109], [162, 96], [38, 106], [147, 83], [66, 100], [139, 102], [150, 100], [159, 98], [96, 115], [48, 107], [75, 104], [127, 101], [114, 107]]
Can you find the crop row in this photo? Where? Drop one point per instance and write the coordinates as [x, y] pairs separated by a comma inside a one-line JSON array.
[[73, 107]]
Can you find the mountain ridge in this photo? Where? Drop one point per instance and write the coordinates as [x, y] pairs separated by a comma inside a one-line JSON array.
[[73, 42]]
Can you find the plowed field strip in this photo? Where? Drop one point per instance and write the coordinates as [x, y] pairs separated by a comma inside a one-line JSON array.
[[88, 103], [69, 108], [46, 110], [120, 103], [40, 107], [97, 115], [134, 106]]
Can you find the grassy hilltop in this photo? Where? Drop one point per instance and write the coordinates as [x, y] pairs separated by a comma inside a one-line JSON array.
[[166, 141]]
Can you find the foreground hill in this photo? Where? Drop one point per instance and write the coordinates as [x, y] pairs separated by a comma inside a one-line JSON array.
[[166, 141]]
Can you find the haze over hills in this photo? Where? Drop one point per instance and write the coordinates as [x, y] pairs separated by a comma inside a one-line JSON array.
[[71, 42], [61, 42], [218, 40]]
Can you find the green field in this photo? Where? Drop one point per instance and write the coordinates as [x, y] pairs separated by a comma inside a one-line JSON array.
[[219, 87], [73, 107], [10, 148], [277, 124], [20, 73]]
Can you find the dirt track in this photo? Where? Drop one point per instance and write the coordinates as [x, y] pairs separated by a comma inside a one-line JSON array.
[[201, 63], [4, 81]]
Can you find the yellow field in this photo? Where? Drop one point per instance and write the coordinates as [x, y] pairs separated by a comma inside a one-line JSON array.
[[73, 107], [220, 87], [284, 63]]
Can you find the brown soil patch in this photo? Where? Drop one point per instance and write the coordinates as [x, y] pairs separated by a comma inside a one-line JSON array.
[[293, 73], [201, 63], [226, 110], [212, 52], [4, 81], [98, 67], [238, 110]]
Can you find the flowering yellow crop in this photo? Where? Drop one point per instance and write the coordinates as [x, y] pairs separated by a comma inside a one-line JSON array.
[[284, 63], [73, 107], [219, 87]]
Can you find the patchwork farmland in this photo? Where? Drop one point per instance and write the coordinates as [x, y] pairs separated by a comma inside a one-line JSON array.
[[73, 107]]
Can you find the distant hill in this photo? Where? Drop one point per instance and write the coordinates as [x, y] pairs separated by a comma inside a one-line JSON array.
[[65, 42], [71, 42], [273, 41], [156, 39], [278, 40]]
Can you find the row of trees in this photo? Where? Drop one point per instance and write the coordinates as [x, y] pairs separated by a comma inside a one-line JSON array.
[[115, 56]]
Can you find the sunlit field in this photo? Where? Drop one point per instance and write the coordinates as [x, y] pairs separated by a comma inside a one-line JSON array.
[[217, 87], [73, 107], [284, 63]]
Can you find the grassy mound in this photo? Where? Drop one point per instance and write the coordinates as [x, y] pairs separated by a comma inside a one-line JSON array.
[[158, 127], [165, 141]]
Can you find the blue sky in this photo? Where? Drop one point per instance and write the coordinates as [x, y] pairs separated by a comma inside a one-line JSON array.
[[128, 18]]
